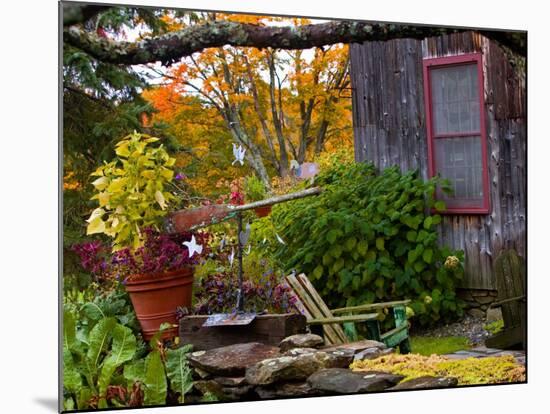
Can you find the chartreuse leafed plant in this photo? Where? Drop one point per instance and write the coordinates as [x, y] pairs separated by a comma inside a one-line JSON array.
[[370, 237], [470, 371], [132, 190]]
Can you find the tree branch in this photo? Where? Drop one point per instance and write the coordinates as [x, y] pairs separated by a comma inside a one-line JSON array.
[[172, 47]]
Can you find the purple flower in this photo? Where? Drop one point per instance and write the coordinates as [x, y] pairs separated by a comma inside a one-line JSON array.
[[180, 176]]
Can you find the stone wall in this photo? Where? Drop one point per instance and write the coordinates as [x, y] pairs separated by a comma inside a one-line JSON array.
[[477, 300]]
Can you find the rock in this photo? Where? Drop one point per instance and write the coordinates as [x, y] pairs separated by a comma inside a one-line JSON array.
[[210, 387], [493, 315], [293, 368], [244, 392], [200, 374], [484, 299], [345, 381], [299, 351], [223, 393], [426, 381], [231, 381], [476, 313], [301, 341], [289, 389], [372, 353], [339, 358], [357, 346], [232, 360]]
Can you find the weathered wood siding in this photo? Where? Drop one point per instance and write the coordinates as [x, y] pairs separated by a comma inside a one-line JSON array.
[[389, 129]]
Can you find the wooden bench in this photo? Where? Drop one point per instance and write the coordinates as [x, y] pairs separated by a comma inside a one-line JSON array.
[[317, 313], [510, 272]]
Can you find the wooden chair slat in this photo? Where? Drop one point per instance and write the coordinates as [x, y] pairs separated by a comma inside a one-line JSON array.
[[306, 284]]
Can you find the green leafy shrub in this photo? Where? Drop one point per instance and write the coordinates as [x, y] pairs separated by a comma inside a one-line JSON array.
[[369, 238]]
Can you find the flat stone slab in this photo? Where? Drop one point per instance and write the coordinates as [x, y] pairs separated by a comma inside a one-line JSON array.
[[345, 381], [295, 368], [372, 353], [230, 381], [301, 341], [357, 346], [223, 393], [287, 390], [232, 360], [426, 382]]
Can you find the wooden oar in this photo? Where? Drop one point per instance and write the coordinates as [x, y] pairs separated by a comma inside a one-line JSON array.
[[194, 218]]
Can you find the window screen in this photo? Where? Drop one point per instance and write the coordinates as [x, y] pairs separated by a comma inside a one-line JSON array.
[[456, 134]]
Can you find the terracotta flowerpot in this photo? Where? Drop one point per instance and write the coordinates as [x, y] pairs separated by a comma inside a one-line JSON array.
[[263, 211], [156, 296]]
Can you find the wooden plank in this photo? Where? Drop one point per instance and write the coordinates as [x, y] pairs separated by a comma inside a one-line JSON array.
[[342, 319], [395, 336], [331, 336], [371, 306], [302, 278], [267, 329]]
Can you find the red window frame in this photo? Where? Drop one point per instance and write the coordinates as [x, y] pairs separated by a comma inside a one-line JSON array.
[[434, 63]]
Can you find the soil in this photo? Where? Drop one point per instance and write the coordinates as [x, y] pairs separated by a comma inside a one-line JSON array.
[[469, 327]]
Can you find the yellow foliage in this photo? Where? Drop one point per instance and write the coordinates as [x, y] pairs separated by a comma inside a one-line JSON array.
[[470, 371]]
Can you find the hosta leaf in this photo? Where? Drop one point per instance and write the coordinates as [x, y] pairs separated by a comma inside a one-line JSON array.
[[439, 205], [331, 236], [178, 371], [154, 380], [427, 255], [428, 223], [362, 247], [318, 272]]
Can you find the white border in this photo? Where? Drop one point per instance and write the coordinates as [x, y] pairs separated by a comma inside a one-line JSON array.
[[28, 231]]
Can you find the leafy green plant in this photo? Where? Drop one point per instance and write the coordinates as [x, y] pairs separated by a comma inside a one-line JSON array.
[[107, 364], [369, 237], [254, 189], [131, 190], [494, 327], [91, 362]]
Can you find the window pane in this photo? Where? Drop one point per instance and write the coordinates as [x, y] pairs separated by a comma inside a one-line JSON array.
[[455, 99], [459, 161]]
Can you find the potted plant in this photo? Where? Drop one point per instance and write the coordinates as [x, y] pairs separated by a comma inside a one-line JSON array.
[[133, 197], [255, 191]]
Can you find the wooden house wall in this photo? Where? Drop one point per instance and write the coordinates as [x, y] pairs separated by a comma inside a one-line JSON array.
[[390, 129]]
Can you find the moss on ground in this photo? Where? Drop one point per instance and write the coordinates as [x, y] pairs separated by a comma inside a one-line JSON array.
[[428, 345], [470, 371]]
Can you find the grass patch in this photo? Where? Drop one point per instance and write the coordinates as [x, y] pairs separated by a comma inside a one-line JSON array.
[[428, 345], [491, 370]]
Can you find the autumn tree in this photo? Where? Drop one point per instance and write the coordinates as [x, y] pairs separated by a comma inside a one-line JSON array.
[[278, 105]]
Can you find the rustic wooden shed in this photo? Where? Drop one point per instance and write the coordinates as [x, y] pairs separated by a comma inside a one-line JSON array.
[[453, 105]]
